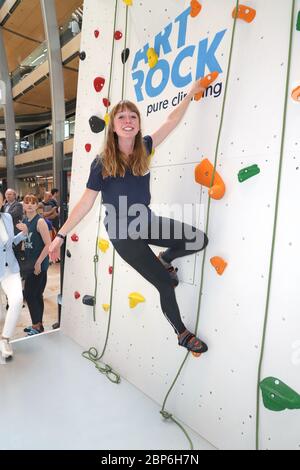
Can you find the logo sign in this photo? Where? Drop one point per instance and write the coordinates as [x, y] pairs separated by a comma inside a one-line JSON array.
[[200, 59]]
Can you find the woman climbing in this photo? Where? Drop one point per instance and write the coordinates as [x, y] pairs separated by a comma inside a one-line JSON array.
[[122, 174]]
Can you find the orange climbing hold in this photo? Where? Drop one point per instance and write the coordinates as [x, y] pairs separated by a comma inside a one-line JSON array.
[[244, 13], [219, 264], [296, 94], [204, 176], [196, 7], [205, 83]]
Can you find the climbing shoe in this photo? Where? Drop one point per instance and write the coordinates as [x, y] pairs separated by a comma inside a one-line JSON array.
[[192, 343], [171, 270]]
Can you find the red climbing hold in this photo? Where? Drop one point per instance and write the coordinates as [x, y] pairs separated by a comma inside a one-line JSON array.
[[118, 35], [99, 83], [111, 269], [75, 238], [88, 147], [106, 102], [76, 295], [96, 33]]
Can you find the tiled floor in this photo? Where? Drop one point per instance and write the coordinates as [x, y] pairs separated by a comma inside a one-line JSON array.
[[51, 309]]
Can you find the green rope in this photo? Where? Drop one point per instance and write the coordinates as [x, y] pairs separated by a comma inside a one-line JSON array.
[[275, 227], [92, 353], [208, 211]]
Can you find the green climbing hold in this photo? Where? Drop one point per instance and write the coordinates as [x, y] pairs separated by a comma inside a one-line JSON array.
[[298, 22], [277, 396], [249, 172]]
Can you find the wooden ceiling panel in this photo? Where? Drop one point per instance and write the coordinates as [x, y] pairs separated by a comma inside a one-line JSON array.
[[73, 64], [27, 20], [70, 82], [39, 95], [22, 108], [17, 49], [64, 9]]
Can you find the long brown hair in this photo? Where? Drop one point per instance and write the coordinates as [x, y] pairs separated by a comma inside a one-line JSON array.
[[114, 162]]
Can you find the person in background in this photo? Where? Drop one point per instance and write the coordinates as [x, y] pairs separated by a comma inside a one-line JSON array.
[[10, 278], [13, 207], [54, 203], [36, 248], [51, 209]]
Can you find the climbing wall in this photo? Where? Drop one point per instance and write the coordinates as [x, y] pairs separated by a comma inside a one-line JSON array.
[[249, 315]]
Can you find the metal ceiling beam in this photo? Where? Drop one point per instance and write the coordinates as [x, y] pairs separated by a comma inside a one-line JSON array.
[[9, 115], [56, 85]]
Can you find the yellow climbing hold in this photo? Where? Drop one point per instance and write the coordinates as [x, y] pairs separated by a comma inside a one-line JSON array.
[[128, 3], [135, 298], [103, 245], [106, 307], [107, 119], [152, 57]]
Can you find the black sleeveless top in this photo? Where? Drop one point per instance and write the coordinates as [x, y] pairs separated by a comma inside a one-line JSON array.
[[34, 243]]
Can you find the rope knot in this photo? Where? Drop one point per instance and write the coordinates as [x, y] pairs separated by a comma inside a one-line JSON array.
[[166, 415], [96, 259]]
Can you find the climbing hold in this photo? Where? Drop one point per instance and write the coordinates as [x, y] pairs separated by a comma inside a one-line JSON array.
[[88, 147], [99, 83], [118, 35], [195, 8], [103, 245], [106, 102], [96, 124], [244, 13], [69, 254], [106, 307], [152, 57], [203, 176], [76, 295], [75, 238], [106, 119], [296, 94], [219, 264], [125, 55], [277, 396], [82, 55], [110, 270], [96, 33], [128, 3], [152, 153], [89, 300], [248, 172], [298, 22], [205, 83], [135, 298]]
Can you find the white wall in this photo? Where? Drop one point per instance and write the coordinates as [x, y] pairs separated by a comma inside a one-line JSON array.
[[215, 395]]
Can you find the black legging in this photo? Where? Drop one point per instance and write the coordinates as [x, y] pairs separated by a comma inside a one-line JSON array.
[[33, 294], [138, 254]]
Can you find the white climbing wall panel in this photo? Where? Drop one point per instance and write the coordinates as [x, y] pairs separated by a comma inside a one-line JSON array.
[[215, 395]]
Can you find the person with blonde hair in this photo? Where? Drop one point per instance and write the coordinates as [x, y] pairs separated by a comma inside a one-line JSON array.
[[122, 174]]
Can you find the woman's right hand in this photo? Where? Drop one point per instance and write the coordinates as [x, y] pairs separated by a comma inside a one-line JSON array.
[[54, 249]]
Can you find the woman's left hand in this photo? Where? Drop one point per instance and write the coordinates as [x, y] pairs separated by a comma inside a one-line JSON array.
[[22, 227], [197, 88], [37, 268]]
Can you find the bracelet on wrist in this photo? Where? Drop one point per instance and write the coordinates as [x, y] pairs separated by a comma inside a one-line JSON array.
[[59, 235]]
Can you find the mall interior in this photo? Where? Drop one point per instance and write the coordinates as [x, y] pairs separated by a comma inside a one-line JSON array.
[[29, 112]]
